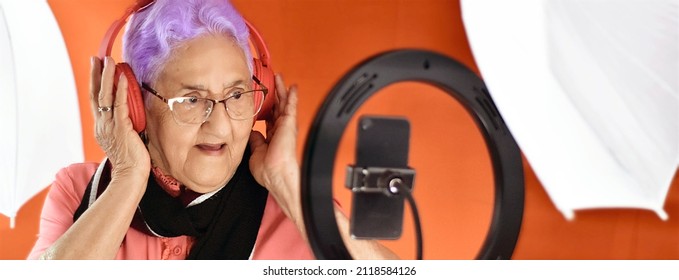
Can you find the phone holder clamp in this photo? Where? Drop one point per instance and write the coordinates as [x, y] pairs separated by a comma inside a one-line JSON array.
[[378, 179]]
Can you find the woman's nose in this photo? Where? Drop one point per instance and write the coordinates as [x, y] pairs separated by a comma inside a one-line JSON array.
[[218, 123]]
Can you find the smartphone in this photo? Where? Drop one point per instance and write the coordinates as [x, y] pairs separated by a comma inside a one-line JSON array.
[[382, 142]]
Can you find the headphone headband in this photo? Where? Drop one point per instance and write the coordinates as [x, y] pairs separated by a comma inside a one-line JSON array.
[[109, 38], [258, 41], [114, 29]]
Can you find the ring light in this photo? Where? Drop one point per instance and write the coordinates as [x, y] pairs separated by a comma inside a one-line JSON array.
[[353, 90]]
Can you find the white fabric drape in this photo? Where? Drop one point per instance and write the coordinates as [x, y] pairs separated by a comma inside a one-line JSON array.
[[40, 128], [590, 91]]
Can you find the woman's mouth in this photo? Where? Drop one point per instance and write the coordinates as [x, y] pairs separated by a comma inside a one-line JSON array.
[[211, 149]]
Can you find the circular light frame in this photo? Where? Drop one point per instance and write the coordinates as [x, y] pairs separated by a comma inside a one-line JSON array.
[[364, 80]]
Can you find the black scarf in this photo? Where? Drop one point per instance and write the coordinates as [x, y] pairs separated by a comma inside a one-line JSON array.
[[225, 225]]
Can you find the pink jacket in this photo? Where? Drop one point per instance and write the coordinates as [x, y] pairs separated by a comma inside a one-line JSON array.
[[278, 237]]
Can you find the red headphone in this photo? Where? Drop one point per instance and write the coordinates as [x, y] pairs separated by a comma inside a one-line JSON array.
[[261, 68]]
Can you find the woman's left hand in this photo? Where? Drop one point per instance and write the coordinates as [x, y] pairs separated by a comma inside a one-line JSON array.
[[274, 161], [274, 164]]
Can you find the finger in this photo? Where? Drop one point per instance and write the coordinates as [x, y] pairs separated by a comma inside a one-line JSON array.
[[256, 140], [258, 150], [121, 110], [270, 129], [276, 110], [257, 143], [105, 91], [291, 106], [95, 80], [281, 94]]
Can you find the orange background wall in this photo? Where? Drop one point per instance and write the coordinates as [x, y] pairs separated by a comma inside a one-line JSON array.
[[313, 43]]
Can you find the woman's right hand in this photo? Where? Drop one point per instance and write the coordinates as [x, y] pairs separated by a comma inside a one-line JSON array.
[[100, 231], [113, 128]]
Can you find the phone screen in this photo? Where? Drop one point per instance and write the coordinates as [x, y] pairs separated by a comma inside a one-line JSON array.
[[381, 142]]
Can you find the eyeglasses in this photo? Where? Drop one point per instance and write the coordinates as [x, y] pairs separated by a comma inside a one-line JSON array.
[[240, 105]]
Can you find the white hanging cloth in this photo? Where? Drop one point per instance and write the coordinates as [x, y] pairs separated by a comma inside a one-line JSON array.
[[40, 128], [590, 91]]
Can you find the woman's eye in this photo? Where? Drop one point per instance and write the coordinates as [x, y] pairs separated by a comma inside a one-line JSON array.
[[235, 93], [192, 100]]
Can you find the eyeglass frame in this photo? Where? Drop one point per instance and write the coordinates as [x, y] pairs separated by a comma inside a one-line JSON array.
[[167, 101]]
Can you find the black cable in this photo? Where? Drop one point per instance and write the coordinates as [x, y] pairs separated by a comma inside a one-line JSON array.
[[398, 184]]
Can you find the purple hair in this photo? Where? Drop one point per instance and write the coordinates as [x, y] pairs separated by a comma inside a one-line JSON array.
[[153, 32]]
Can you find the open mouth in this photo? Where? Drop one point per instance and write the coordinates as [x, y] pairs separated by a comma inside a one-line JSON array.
[[212, 149]]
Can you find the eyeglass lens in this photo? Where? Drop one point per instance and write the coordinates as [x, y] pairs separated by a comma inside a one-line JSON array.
[[195, 110]]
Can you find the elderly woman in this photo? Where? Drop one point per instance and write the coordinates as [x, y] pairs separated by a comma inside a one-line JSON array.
[[202, 184]]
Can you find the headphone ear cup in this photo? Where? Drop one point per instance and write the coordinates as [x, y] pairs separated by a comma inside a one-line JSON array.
[[135, 102], [266, 78]]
